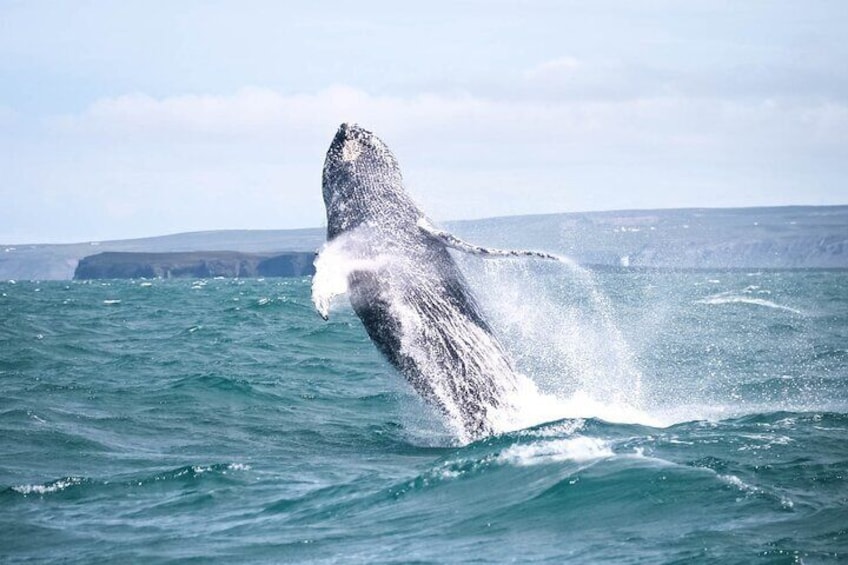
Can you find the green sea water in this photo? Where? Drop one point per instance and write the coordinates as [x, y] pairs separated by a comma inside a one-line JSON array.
[[690, 417]]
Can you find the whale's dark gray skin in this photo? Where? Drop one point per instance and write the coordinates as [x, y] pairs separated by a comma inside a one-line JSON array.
[[413, 299]]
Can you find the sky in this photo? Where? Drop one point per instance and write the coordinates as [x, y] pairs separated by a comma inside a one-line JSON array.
[[132, 119]]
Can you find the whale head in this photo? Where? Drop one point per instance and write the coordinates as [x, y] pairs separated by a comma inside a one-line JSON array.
[[362, 182]]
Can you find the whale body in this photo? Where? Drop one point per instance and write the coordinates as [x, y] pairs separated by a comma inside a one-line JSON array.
[[409, 292]]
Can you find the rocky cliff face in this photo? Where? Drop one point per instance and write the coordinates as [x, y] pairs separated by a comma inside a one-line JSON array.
[[198, 264]]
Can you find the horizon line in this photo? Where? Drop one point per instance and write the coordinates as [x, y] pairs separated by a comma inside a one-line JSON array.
[[95, 242]]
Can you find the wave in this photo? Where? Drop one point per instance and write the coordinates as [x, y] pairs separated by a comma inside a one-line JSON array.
[[81, 485], [561, 454], [579, 449], [566, 487], [733, 298], [50, 487]]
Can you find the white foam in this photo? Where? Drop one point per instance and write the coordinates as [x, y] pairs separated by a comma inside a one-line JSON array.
[[579, 449], [535, 407], [55, 486], [200, 469], [735, 481], [751, 490], [561, 428], [238, 467]]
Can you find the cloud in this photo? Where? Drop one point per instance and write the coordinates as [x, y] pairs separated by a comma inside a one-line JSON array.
[[252, 114], [137, 165], [500, 110], [560, 65], [598, 80], [611, 79], [7, 116], [250, 110]]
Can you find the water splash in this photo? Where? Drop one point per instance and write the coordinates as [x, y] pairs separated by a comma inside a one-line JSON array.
[[556, 324], [334, 264], [560, 329]]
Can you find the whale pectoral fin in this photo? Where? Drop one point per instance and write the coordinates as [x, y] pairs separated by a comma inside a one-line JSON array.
[[323, 309], [450, 240], [327, 282]]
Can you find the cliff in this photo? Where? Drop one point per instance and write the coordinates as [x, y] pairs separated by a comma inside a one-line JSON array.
[[196, 264], [59, 261]]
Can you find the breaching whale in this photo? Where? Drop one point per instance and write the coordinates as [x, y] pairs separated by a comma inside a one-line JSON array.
[[408, 291]]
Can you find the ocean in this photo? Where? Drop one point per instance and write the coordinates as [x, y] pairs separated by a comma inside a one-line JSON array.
[[685, 416]]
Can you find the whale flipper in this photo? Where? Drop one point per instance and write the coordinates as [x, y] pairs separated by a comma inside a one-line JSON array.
[[450, 240]]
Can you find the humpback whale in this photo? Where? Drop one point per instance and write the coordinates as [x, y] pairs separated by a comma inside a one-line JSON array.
[[408, 291]]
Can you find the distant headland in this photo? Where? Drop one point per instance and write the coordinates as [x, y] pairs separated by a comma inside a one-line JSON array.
[[789, 237], [194, 264]]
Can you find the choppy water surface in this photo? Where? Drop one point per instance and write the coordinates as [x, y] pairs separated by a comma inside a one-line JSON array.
[[688, 416]]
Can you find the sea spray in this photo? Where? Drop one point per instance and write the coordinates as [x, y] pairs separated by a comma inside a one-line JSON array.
[[331, 272], [334, 264], [561, 330], [563, 336]]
